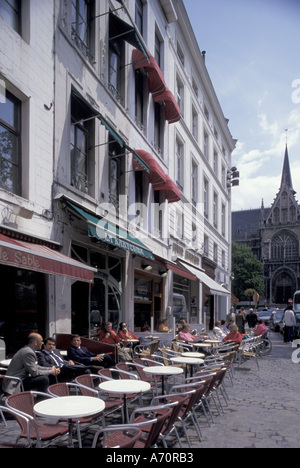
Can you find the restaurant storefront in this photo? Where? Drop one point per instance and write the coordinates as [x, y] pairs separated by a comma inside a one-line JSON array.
[[29, 269]]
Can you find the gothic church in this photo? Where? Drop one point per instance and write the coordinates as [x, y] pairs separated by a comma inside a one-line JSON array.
[[274, 236]]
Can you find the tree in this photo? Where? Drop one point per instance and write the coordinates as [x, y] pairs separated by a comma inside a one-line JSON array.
[[247, 270]]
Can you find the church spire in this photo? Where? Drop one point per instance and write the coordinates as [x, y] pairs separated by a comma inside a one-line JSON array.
[[286, 172]]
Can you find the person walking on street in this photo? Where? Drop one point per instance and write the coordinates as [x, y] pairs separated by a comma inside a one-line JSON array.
[[241, 319], [290, 323], [252, 319]]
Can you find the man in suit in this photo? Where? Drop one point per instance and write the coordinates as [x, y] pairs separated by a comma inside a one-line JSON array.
[[50, 356], [81, 354], [24, 366]]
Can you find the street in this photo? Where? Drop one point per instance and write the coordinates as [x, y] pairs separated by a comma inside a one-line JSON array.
[[264, 409]]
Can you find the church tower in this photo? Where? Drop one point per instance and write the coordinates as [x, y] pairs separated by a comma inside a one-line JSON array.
[[280, 238]]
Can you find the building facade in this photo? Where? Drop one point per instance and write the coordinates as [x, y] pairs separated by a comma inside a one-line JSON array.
[[274, 235], [114, 160]]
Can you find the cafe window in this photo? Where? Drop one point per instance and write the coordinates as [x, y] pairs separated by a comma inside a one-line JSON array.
[[82, 30], [148, 302], [10, 10], [10, 142], [81, 142]]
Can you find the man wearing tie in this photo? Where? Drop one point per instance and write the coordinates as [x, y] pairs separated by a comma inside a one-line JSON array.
[[50, 356]]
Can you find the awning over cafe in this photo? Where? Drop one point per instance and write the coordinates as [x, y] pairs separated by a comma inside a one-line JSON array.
[[172, 110], [157, 175], [215, 288], [106, 231], [40, 258]]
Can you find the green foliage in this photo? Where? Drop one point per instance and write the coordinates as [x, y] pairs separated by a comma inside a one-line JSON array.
[[247, 270]]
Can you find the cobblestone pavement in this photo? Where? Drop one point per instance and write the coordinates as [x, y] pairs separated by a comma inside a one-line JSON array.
[[264, 407], [263, 412]]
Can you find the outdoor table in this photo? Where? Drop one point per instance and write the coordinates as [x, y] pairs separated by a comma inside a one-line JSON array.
[[5, 362], [70, 407], [125, 387], [163, 371], [193, 355], [188, 361]]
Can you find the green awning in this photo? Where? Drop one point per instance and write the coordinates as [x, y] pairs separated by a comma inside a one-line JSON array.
[[107, 232]]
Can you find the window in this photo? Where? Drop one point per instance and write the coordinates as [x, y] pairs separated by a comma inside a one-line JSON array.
[[216, 164], [215, 210], [158, 50], [180, 54], [206, 245], [223, 220], [179, 225], [179, 164], [206, 145], [216, 253], [139, 100], [11, 12], [116, 173], [195, 123], [115, 70], [81, 135], [206, 197], [285, 246], [180, 95], [157, 215], [159, 123], [10, 141], [194, 182], [82, 14], [139, 15]]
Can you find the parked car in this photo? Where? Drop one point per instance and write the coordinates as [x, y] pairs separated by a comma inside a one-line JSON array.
[[265, 316], [275, 319]]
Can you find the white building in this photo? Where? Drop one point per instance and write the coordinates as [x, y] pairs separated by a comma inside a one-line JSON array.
[[117, 157]]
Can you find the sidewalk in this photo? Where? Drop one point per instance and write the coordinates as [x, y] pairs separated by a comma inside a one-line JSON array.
[[264, 410]]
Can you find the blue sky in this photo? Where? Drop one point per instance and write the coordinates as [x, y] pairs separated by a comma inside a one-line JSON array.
[[253, 58]]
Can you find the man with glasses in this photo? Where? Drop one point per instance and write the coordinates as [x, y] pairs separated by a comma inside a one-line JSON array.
[[24, 366]]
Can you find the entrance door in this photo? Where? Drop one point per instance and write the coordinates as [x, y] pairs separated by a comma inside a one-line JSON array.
[[283, 288]]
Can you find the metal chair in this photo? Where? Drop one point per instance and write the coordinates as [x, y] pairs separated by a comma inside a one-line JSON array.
[[23, 404], [153, 419], [88, 387], [13, 413], [123, 436]]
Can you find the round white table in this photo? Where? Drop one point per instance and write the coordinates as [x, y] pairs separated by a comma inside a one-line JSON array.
[[5, 362], [70, 407], [163, 371], [193, 355], [125, 387], [188, 361]]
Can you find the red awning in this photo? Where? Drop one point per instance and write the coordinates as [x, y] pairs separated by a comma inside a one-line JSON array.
[[156, 78], [173, 113], [36, 257], [181, 272], [172, 191], [157, 175]]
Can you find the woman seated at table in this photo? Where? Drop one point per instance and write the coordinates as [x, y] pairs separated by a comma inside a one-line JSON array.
[[163, 326], [125, 334], [261, 329], [218, 331], [233, 335], [185, 335]]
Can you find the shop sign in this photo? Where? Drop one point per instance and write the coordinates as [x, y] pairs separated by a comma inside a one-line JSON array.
[[18, 258]]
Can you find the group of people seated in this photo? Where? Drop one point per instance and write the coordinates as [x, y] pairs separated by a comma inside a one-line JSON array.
[[39, 363]]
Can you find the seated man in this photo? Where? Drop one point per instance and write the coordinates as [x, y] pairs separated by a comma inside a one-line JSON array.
[[50, 356], [24, 366], [81, 354]]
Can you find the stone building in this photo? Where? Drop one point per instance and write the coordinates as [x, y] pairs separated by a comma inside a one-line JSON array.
[[114, 155], [274, 236]]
